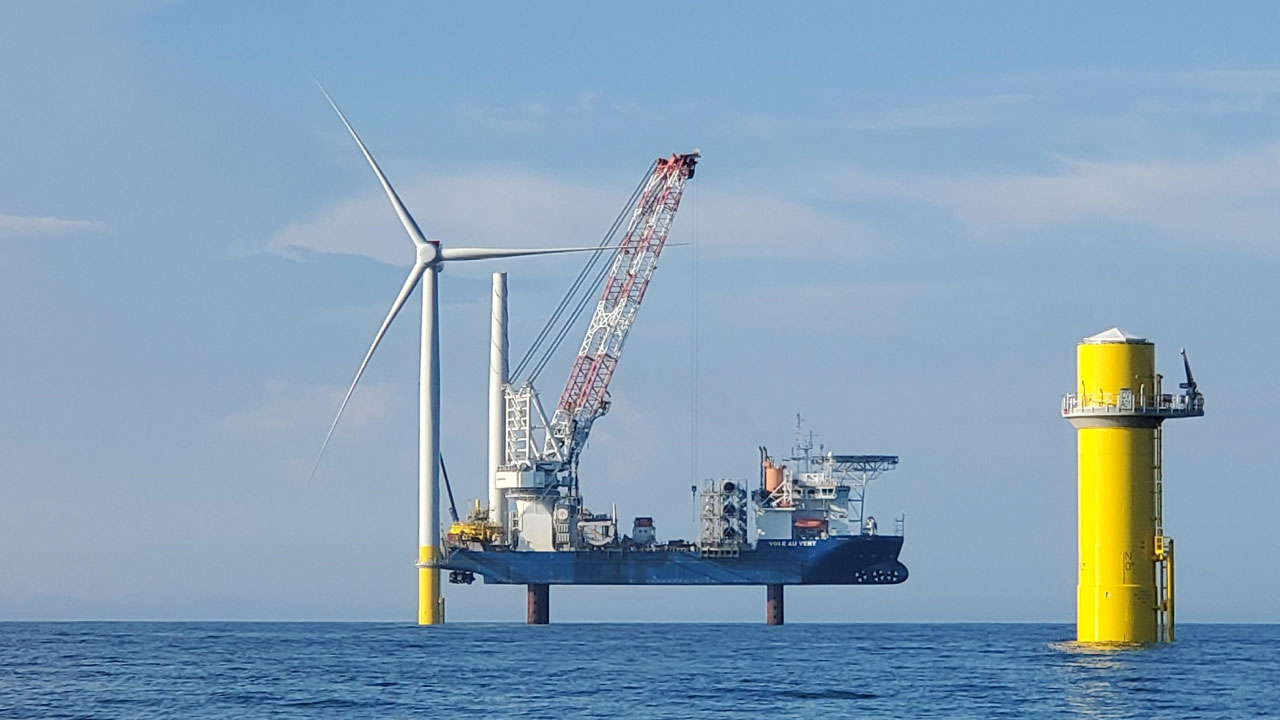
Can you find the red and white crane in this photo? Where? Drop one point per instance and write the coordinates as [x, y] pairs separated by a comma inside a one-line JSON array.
[[532, 458], [586, 393]]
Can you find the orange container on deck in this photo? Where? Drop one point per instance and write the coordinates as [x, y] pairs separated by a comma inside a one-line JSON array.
[[772, 476]]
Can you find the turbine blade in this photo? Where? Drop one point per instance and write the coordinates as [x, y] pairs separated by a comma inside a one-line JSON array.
[[409, 284], [410, 226], [452, 253]]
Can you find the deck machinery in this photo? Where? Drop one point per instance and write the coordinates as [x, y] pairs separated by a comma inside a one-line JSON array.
[[804, 522]]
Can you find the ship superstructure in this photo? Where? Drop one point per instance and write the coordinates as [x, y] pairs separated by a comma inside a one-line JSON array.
[[816, 494]]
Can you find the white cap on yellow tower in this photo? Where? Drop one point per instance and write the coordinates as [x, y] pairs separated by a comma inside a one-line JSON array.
[[1115, 335]]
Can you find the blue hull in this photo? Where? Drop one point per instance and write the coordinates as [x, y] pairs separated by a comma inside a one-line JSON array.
[[841, 560]]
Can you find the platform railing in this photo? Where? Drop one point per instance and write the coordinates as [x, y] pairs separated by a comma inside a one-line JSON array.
[[1126, 402]]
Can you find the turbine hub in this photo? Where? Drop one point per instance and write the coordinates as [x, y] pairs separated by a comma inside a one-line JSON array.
[[428, 253]]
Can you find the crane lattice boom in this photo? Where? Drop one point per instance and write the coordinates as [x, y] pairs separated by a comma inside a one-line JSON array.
[[585, 395]]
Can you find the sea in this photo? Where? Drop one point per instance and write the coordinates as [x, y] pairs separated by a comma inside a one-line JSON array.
[[389, 670]]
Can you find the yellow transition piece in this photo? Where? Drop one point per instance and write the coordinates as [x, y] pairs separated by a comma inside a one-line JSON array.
[[430, 602], [1117, 594]]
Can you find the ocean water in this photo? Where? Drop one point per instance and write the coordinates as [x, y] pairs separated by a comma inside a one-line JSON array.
[[358, 670]]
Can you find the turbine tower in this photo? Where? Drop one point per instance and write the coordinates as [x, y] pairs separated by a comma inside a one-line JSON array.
[[429, 255]]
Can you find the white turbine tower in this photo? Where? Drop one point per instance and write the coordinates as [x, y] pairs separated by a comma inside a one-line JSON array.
[[426, 267]]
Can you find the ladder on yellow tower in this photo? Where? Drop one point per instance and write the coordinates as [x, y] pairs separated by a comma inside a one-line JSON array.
[[1162, 552]]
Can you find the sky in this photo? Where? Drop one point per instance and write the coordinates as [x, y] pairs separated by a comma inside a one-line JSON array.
[[905, 218]]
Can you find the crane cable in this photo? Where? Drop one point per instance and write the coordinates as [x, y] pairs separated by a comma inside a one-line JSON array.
[[574, 290], [693, 347], [583, 301]]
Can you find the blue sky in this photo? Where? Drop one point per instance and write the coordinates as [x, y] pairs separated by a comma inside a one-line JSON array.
[[905, 218]]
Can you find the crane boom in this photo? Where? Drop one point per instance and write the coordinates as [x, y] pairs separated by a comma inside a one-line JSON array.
[[585, 396]]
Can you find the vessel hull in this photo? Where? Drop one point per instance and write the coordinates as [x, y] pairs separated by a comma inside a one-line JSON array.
[[841, 560]]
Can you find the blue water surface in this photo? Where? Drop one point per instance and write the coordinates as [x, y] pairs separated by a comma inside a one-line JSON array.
[[359, 670]]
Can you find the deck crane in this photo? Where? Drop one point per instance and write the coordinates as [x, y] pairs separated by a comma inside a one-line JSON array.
[[539, 457], [586, 393]]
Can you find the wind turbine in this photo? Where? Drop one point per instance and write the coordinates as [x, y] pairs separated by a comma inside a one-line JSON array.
[[429, 256]]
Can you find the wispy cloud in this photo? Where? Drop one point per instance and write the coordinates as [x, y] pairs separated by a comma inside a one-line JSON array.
[[20, 226], [526, 117], [1228, 200], [535, 115], [1236, 80], [481, 208], [852, 306], [844, 111], [1225, 201], [973, 111], [522, 209], [288, 407]]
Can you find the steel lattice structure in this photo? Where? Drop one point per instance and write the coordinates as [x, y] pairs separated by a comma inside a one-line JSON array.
[[585, 396]]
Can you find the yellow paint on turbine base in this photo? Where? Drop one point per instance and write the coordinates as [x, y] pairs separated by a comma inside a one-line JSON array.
[[1116, 599], [430, 602], [1116, 596]]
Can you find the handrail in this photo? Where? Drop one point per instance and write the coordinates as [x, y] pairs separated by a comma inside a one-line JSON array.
[[1128, 403]]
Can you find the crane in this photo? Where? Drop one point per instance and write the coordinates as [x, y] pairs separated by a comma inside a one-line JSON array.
[[539, 456], [586, 393]]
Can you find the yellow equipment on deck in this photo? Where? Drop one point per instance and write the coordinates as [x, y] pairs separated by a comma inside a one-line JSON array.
[[477, 528]]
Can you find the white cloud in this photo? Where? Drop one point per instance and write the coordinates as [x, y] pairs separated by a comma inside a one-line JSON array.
[[523, 209], [1225, 201], [18, 225], [488, 208], [844, 307], [755, 223]]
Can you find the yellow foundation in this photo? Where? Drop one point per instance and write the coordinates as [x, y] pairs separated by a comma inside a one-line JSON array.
[[1117, 594], [1117, 589], [430, 602]]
